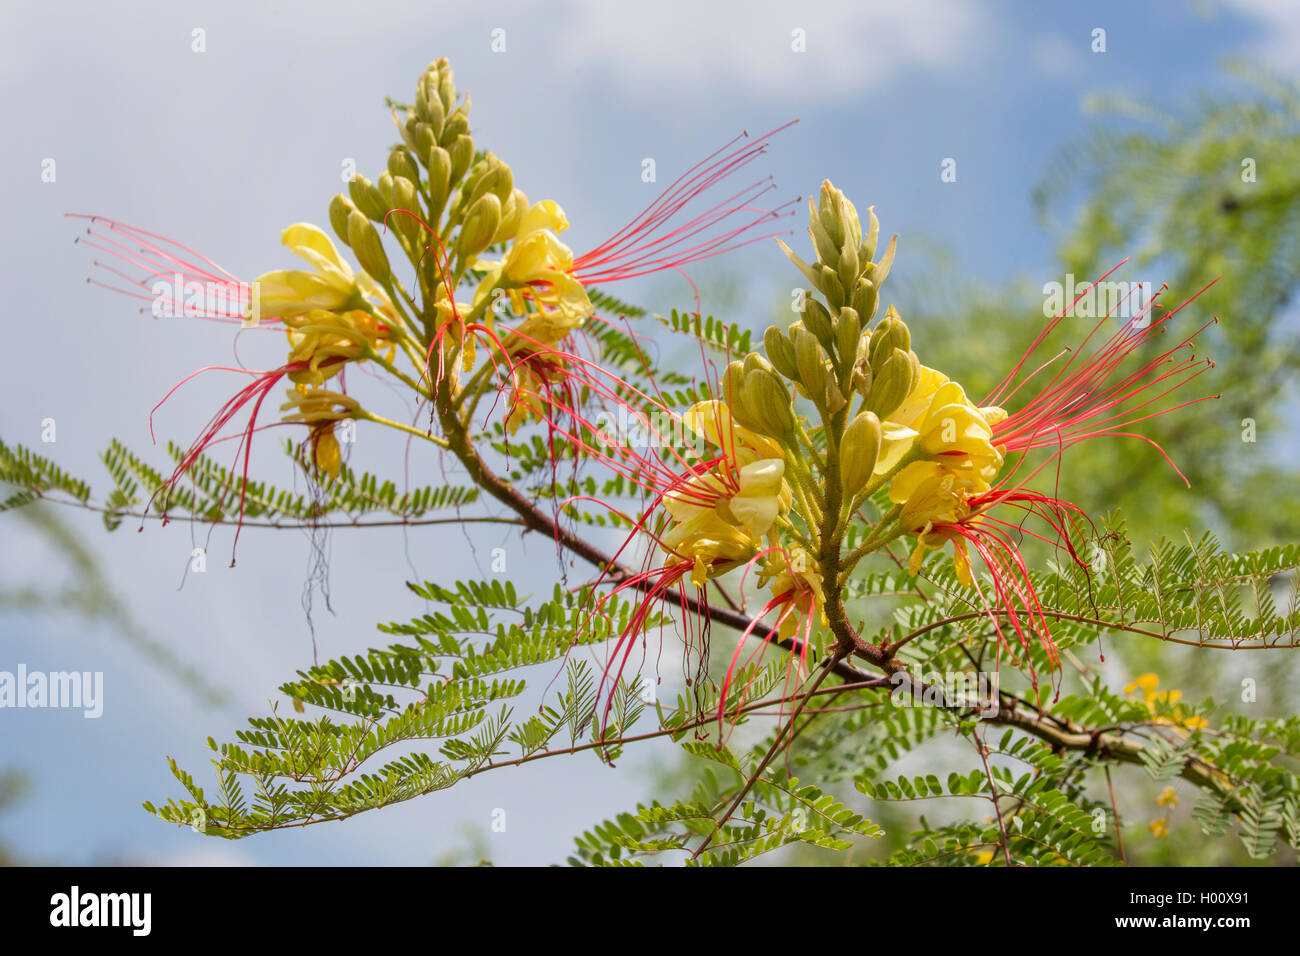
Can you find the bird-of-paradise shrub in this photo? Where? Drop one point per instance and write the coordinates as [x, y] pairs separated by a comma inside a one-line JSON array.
[[850, 555]]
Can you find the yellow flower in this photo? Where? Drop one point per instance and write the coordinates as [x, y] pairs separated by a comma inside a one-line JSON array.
[[332, 285], [537, 267], [712, 521], [326, 341], [331, 314], [712, 421], [984, 858], [1159, 828], [325, 450], [794, 573], [546, 214], [723, 514], [939, 426], [321, 409], [706, 538], [1167, 798], [1147, 683], [1164, 700], [932, 499], [944, 445]]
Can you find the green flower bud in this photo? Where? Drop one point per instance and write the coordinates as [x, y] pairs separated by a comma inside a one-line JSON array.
[[367, 247], [512, 214], [340, 208], [755, 360], [496, 178], [848, 268], [455, 126], [462, 154], [818, 322], [405, 197], [385, 187], [894, 378], [481, 223], [439, 166], [868, 251], [865, 299], [840, 220], [859, 449], [428, 105], [446, 88], [890, 333], [832, 288], [780, 352], [769, 401], [733, 395], [828, 251], [425, 140], [848, 333], [830, 214], [810, 359], [367, 198], [501, 181], [401, 163]]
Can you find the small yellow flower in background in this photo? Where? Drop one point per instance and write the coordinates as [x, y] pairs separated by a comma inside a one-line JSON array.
[[1146, 682], [1164, 699], [983, 857], [1167, 798], [1159, 828]]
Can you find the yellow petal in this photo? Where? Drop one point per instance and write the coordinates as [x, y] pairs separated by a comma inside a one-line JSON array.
[[328, 458], [312, 244], [895, 442], [546, 214]]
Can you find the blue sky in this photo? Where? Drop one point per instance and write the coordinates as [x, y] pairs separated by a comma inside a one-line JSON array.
[[226, 147]]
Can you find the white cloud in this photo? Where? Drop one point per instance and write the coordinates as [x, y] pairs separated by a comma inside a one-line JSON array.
[[1279, 41], [683, 45]]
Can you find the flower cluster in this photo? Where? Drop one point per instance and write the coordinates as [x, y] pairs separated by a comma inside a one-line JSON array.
[[839, 425], [488, 273], [828, 446]]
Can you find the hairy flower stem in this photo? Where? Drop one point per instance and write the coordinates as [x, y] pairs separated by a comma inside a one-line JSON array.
[[885, 531], [846, 639], [389, 423]]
